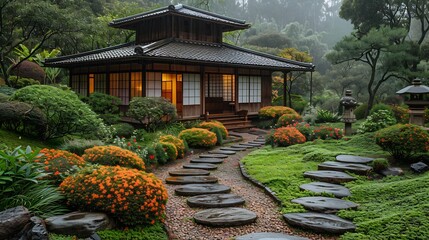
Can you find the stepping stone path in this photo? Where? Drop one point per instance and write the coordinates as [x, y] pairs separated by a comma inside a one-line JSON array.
[[320, 222], [232, 149], [201, 189], [330, 172], [222, 152], [207, 160], [213, 156], [240, 146], [269, 236], [353, 159], [350, 167], [323, 187], [191, 180], [249, 144], [329, 176], [225, 217], [215, 201], [189, 172], [324, 204], [205, 166]]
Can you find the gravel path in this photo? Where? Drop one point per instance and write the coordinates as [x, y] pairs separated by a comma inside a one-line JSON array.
[[179, 219]]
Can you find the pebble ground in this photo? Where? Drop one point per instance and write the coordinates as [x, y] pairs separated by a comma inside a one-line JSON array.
[[179, 221]]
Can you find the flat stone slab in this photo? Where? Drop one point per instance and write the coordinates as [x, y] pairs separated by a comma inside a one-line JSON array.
[[259, 140], [250, 144], [189, 172], [353, 159], [351, 167], [256, 143], [216, 200], [392, 171], [190, 180], [222, 152], [240, 146], [233, 149], [225, 217], [269, 236], [324, 204], [329, 176], [323, 187], [320, 222], [205, 166], [207, 160], [200, 189], [213, 156]]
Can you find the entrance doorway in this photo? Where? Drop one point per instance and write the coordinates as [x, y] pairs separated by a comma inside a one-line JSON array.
[[220, 93], [172, 89]]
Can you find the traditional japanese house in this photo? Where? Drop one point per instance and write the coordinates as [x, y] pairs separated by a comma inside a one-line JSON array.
[[178, 54]]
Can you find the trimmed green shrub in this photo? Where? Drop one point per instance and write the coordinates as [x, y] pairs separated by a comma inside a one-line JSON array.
[[140, 233], [212, 125], [199, 137], [4, 97], [288, 119], [123, 130], [219, 138], [161, 155], [177, 142], [78, 146], [152, 111], [112, 156], [403, 140], [20, 82], [380, 106], [379, 164], [319, 156], [65, 113], [298, 102], [377, 121], [360, 111], [27, 69], [325, 116], [306, 130], [285, 136], [21, 184], [274, 112], [105, 105], [7, 90], [327, 132], [401, 114], [130, 196], [23, 118], [170, 149]]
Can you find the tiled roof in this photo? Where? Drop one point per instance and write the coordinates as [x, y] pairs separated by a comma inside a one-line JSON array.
[[185, 51], [179, 9]]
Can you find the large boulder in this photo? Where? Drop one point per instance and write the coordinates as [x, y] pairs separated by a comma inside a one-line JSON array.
[[28, 69], [80, 224], [12, 221], [34, 230]]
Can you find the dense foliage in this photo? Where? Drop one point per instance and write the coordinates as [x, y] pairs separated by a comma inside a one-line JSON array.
[[327, 132], [198, 137], [212, 125], [131, 196], [105, 105], [152, 111], [377, 121], [113, 156], [275, 111], [403, 140], [177, 142], [288, 119], [285, 136], [65, 113]]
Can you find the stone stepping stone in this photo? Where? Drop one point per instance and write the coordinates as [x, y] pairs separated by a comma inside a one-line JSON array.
[[256, 143], [351, 167], [201, 189], [216, 201], [225, 217], [207, 160], [320, 222], [232, 149], [190, 180], [259, 140], [189, 172], [248, 145], [323, 187], [329, 176], [324, 204], [213, 156], [204, 166], [222, 152], [353, 159], [240, 146], [269, 236]]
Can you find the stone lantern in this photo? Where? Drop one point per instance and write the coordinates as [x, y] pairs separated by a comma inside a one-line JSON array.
[[416, 102], [349, 104]]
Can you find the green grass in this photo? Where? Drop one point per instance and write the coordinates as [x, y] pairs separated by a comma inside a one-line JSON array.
[[12, 140], [390, 208]]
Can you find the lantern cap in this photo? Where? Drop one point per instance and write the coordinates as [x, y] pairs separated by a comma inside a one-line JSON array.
[[415, 88]]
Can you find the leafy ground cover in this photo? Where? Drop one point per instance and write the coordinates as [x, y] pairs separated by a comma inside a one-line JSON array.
[[390, 208], [12, 140]]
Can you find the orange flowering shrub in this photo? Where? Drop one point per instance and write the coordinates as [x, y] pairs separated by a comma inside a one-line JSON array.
[[112, 156], [401, 114], [57, 162], [198, 137], [130, 196], [327, 132], [403, 140], [275, 111], [212, 125], [288, 119], [286, 136], [177, 142]]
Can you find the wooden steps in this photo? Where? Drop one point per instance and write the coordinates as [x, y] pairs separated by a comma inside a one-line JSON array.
[[232, 121]]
